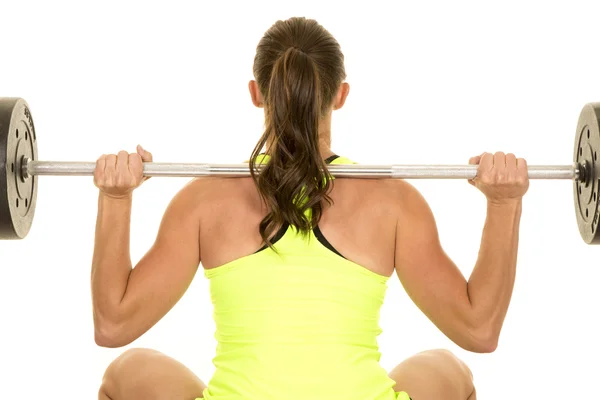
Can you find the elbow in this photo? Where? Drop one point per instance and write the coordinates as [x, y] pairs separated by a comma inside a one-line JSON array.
[[482, 340], [104, 339], [484, 346], [110, 334], [477, 336]]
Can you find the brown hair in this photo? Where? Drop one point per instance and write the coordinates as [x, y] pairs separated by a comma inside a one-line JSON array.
[[299, 67]]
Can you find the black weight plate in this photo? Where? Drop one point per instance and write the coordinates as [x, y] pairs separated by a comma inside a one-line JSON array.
[[585, 193], [18, 195]]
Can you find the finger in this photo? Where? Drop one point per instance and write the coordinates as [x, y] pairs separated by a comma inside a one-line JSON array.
[[479, 160], [522, 172], [500, 167], [99, 170], [123, 173], [521, 164], [111, 163], [136, 168], [511, 164], [487, 162], [146, 155], [123, 161], [499, 160], [110, 169], [474, 160]]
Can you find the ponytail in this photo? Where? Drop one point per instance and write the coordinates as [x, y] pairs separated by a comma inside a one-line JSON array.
[[295, 178]]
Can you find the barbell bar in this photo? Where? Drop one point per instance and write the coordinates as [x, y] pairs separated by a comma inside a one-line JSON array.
[[20, 169], [61, 168]]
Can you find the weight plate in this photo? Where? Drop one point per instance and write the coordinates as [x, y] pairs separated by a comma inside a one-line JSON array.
[[18, 142], [587, 147]]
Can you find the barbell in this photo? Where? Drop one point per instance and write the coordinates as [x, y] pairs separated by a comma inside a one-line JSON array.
[[20, 169]]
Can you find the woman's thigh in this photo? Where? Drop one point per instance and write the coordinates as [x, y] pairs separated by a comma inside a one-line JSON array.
[[434, 374], [148, 374]]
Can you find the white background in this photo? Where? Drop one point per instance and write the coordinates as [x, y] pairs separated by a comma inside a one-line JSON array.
[[432, 82]]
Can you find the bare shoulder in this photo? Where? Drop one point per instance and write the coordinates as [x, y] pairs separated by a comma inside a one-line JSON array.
[[394, 200], [212, 187], [411, 208], [402, 195], [398, 188], [203, 194]]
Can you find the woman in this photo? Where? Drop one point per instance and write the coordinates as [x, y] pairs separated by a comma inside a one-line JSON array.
[[298, 262]]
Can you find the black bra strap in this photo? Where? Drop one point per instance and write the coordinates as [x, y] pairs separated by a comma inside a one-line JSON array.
[[277, 236], [330, 159]]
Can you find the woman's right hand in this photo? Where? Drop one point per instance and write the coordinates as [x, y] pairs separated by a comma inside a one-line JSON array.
[[118, 175]]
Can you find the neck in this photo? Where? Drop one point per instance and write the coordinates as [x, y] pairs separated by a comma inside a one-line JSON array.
[[325, 145], [324, 138]]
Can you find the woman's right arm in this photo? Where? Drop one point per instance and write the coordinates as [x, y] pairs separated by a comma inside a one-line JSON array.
[[128, 301], [470, 313]]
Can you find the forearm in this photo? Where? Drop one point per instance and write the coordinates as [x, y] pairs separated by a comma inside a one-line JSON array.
[[111, 263], [491, 283]]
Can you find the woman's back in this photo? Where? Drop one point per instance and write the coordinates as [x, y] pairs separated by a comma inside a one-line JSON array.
[[302, 314]]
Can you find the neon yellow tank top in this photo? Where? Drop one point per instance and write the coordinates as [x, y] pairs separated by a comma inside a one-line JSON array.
[[298, 324]]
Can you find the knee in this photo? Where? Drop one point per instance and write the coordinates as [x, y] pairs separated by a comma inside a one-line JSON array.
[[130, 359], [457, 373], [127, 365], [435, 374], [449, 359]]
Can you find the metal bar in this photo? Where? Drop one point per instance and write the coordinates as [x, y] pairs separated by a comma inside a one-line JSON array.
[[338, 170]]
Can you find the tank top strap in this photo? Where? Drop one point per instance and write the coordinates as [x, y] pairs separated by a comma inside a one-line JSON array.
[[261, 159]]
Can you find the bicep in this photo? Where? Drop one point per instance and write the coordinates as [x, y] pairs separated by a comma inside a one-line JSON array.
[[429, 276], [165, 272]]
